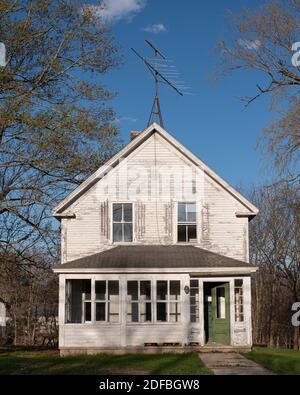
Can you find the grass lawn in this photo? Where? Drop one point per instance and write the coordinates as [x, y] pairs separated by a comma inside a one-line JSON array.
[[49, 362], [280, 361]]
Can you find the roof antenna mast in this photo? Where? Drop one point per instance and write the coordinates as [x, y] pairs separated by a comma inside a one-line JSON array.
[[158, 72]]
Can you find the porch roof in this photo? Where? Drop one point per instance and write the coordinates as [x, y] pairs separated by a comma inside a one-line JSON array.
[[154, 256]]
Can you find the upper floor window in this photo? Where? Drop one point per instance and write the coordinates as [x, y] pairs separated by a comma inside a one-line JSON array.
[[187, 223], [122, 222]]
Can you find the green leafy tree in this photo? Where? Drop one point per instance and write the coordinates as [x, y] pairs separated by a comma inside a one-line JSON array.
[[55, 124]]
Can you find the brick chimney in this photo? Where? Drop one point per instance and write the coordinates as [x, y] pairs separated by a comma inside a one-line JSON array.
[[134, 134]]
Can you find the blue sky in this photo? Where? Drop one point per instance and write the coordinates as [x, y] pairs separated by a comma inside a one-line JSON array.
[[212, 122]]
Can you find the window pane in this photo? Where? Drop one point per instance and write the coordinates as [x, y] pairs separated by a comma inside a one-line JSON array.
[[145, 290], [113, 297], [117, 212], [133, 312], [113, 290], [100, 311], [117, 233], [146, 314], [191, 212], [162, 290], [194, 283], [174, 290], [181, 234], [86, 286], [132, 290], [238, 283], [100, 290], [161, 311], [192, 232], [113, 311], [181, 212], [127, 232], [174, 312], [87, 311], [221, 303], [127, 207]]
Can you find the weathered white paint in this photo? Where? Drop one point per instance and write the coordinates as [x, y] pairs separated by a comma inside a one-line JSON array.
[[124, 334], [155, 219], [147, 179]]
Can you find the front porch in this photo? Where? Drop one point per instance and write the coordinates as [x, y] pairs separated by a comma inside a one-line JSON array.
[[154, 299]]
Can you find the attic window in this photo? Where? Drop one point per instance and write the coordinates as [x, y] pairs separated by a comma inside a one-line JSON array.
[[187, 223], [122, 222]]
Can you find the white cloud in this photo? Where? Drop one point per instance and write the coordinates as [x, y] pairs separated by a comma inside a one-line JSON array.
[[156, 28], [127, 119], [112, 11]]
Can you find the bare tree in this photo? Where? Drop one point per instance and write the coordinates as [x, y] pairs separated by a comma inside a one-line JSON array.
[[260, 41], [274, 240]]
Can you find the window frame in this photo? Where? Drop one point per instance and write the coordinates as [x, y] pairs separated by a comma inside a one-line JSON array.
[[168, 301], [186, 223], [151, 301], [122, 222], [106, 301]]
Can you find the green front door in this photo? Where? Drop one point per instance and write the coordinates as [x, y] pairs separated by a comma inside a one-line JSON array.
[[217, 313], [220, 314]]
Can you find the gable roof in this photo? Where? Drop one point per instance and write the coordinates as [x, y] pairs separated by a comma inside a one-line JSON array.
[[155, 257], [59, 210]]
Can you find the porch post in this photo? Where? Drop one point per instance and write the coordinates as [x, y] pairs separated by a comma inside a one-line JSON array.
[[61, 310]]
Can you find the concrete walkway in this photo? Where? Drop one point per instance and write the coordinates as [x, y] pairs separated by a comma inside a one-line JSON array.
[[232, 364]]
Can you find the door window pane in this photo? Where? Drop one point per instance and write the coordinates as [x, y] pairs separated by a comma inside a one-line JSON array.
[[221, 303]]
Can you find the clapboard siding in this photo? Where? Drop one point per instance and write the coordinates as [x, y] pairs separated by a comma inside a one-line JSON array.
[[155, 177]]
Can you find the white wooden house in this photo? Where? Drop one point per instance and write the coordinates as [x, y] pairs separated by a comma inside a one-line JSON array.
[[155, 252]]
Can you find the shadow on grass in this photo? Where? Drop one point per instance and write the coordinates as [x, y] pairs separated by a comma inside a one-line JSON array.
[[48, 362]]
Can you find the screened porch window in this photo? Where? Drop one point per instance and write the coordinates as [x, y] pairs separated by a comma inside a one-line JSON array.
[[168, 307], [187, 223], [194, 300], [78, 301], [238, 300], [122, 223], [139, 305], [107, 301]]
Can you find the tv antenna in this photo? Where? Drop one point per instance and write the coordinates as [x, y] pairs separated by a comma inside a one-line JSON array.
[[162, 72]]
